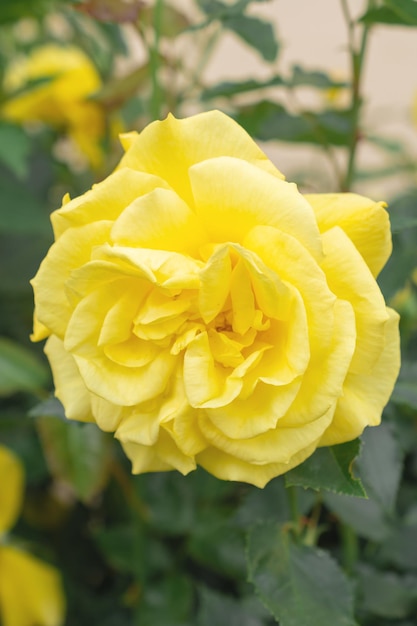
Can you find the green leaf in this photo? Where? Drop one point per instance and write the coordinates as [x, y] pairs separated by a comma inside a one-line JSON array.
[[218, 10], [168, 601], [299, 585], [14, 149], [365, 517], [306, 78], [122, 546], [403, 212], [257, 33], [163, 491], [395, 12], [383, 15], [221, 610], [229, 89], [386, 594], [271, 503], [406, 9], [405, 390], [20, 370], [329, 468], [393, 146], [402, 222], [400, 547], [380, 465], [77, 454], [405, 393], [219, 545], [267, 120], [403, 261], [13, 10]]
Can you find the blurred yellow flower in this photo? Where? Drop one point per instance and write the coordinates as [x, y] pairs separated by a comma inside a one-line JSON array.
[[203, 309], [53, 85], [30, 590]]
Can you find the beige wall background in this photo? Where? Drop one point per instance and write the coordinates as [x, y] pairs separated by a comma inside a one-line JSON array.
[[313, 33]]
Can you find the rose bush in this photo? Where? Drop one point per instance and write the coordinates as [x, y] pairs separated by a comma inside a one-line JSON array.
[[53, 85], [208, 313], [30, 590]]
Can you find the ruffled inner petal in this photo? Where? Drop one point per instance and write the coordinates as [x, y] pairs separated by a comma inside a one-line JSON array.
[[160, 220]]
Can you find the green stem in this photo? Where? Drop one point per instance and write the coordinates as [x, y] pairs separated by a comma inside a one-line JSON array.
[[311, 534], [350, 547], [295, 514], [156, 97], [357, 56]]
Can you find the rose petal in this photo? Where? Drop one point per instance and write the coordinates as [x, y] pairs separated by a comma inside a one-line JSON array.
[[69, 386], [228, 467], [229, 210], [168, 149], [31, 592], [161, 220], [70, 252], [104, 201], [350, 279], [11, 493], [364, 221], [365, 395]]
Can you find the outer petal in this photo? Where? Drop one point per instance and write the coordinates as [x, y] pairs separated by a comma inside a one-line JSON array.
[[145, 458], [71, 251], [365, 395], [39, 330], [164, 455], [169, 148], [366, 223], [106, 200], [30, 591], [277, 445], [350, 279], [69, 386], [11, 488], [228, 467]]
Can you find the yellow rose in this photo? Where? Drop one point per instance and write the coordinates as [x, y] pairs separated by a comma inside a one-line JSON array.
[[206, 312], [30, 591], [53, 85]]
